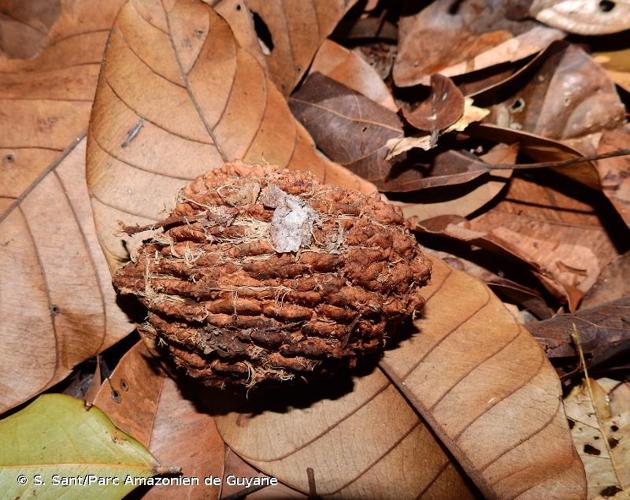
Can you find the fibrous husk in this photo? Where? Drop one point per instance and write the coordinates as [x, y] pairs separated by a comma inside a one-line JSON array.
[[263, 274]]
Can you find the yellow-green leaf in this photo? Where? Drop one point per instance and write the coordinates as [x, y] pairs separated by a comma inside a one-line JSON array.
[[56, 441]]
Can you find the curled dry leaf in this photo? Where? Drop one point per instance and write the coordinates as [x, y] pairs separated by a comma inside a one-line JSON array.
[[497, 407], [347, 126], [600, 416], [453, 39], [58, 305], [561, 238], [178, 96], [349, 68], [148, 405], [394, 456], [457, 202], [612, 283], [604, 332], [547, 105], [441, 109], [295, 29], [584, 17]]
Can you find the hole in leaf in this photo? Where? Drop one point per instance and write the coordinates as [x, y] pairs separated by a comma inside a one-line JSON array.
[[606, 5], [124, 385], [263, 33], [9, 157], [591, 450], [453, 9], [517, 105], [116, 396]]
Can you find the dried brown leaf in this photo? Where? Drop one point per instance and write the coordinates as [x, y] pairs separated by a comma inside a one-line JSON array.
[[58, 305], [441, 109], [457, 38], [395, 455], [349, 68], [615, 172], [24, 26], [585, 17], [612, 283], [488, 391], [604, 332], [297, 29], [148, 405], [617, 66], [549, 106], [178, 96], [347, 126]]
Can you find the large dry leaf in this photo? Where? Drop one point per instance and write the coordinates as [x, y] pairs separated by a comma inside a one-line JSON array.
[[599, 414], [178, 96], [366, 444], [57, 304], [146, 404], [45, 102], [456, 38], [585, 17], [349, 68], [297, 28], [347, 126], [488, 391]]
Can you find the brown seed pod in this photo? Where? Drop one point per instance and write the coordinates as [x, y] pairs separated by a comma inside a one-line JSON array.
[[264, 274]]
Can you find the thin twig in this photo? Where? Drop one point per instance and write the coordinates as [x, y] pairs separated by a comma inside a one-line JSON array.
[[576, 339], [562, 163]]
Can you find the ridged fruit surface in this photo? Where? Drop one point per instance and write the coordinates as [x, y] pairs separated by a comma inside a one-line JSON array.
[[263, 274]]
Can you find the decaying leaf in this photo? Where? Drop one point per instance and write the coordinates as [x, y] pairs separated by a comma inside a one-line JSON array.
[[604, 332], [178, 96], [612, 283], [569, 96], [585, 17], [600, 417], [56, 436], [295, 29], [365, 443], [347, 126], [349, 68], [441, 109], [456, 38], [559, 236], [58, 307], [498, 406], [147, 404]]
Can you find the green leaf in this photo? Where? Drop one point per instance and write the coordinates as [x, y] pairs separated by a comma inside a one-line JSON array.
[[55, 439]]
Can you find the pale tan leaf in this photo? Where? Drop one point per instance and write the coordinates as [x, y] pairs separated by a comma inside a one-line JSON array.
[[178, 96], [145, 403], [349, 68], [584, 17], [366, 444], [488, 391], [297, 29], [58, 307], [606, 417]]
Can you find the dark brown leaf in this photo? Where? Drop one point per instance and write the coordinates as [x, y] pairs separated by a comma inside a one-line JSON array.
[[441, 109], [604, 332], [347, 126]]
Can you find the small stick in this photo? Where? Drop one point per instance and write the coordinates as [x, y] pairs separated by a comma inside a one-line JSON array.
[[576, 338], [562, 163]]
